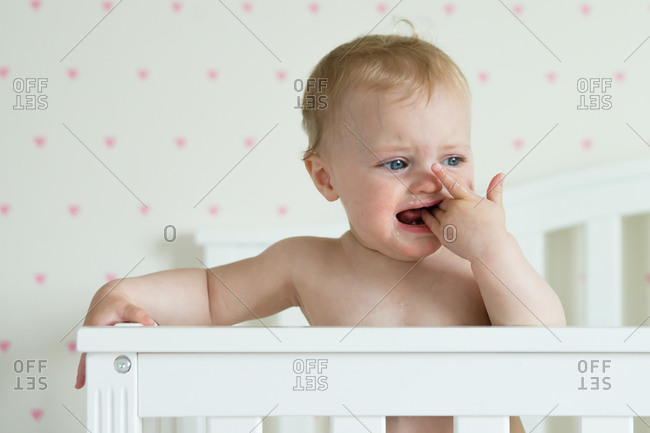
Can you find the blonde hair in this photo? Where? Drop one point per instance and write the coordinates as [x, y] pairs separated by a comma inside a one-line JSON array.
[[374, 62]]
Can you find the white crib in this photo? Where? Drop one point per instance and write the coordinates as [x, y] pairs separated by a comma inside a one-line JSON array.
[[478, 375]]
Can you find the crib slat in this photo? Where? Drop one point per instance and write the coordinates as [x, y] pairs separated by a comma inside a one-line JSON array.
[[481, 424], [190, 424], [362, 424], [602, 424], [234, 424], [603, 272]]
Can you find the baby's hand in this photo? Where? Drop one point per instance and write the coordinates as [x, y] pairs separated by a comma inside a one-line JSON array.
[[466, 228], [107, 308]]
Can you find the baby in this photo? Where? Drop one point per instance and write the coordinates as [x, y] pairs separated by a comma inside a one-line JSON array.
[[389, 135]]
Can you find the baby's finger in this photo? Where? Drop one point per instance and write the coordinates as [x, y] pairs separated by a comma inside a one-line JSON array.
[[81, 372], [455, 188], [135, 314]]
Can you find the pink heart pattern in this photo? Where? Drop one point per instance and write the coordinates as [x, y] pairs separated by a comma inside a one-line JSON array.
[[585, 9], [4, 71], [5, 208], [72, 346], [74, 209], [449, 8], [551, 76], [37, 414], [314, 8], [214, 209], [247, 6], [518, 143], [249, 142], [144, 210], [213, 74], [282, 210], [483, 76], [143, 74], [35, 4], [5, 345], [109, 141], [107, 5], [110, 276], [381, 8], [39, 277], [39, 141], [587, 143], [73, 73], [518, 9], [281, 75], [180, 142]]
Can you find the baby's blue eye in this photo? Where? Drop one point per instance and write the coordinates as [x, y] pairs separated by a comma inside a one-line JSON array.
[[455, 160], [396, 164]]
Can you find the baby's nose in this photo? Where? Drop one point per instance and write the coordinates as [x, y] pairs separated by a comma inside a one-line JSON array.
[[425, 181]]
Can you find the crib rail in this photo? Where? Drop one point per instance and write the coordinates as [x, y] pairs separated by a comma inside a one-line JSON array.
[[478, 375]]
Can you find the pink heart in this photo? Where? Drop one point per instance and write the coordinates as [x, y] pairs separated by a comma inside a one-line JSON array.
[[144, 210], [110, 276], [35, 4], [247, 6], [281, 75], [143, 74], [37, 414], [213, 209], [39, 277], [282, 210], [72, 346], [5, 208], [4, 72], [5, 345], [586, 143], [518, 143], [110, 141], [585, 9], [40, 141], [381, 8], [212, 74], [518, 9], [107, 5], [449, 8], [620, 76], [74, 209], [550, 77], [72, 73], [180, 142], [177, 6], [249, 142], [314, 8], [483, 76]]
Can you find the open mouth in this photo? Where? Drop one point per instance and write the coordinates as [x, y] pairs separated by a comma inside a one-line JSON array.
[[413, 217]]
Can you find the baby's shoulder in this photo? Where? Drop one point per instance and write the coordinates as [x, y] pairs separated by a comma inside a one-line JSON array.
[[301, 248]]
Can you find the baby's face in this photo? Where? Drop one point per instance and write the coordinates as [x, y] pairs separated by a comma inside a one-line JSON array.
[[380, 165]]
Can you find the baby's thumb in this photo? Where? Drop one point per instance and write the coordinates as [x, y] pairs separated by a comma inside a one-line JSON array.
[[495, 190]]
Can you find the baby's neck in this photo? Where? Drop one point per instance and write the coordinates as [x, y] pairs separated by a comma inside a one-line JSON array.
[[361, 255]]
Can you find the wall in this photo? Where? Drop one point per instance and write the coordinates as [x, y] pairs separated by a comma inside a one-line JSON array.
[[151, 104]]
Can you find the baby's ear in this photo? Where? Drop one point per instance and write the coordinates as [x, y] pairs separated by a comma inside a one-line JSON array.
[[319, 173]]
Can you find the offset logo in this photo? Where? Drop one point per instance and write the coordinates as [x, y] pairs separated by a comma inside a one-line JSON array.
[[593, 375], [29, 374], [317, 101], [593, 93], [29, 93], [309, 374]]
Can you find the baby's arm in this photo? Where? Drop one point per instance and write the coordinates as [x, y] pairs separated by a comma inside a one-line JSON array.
[[223, 295], [513, 292]]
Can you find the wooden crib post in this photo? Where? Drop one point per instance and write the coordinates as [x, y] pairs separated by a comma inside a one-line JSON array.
[[481, 424], [112, 393]]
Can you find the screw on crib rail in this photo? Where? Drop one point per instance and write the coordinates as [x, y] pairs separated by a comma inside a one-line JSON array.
[[122, 364]]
